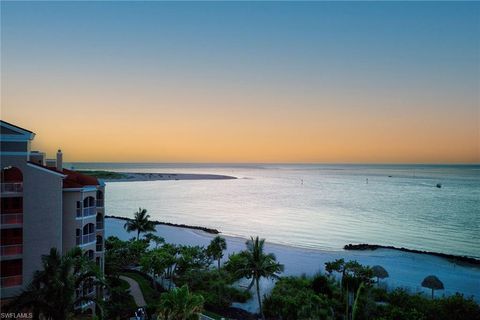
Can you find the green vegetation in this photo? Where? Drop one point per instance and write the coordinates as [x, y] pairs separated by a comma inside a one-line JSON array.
[[295, 298], [52, 292], [122, 254], [120, 303], [197, 281], [215, 286], [180, 304], [212, 315], [103, 174], [189, 266], [355, 297], [149, 292], [216, 248], [140, 223], [255, 264]]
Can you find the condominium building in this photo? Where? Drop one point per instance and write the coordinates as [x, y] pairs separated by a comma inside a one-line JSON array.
[[44, 206]]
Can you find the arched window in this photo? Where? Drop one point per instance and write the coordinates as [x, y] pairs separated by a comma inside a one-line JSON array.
[[88, 233], [89, 202], [89, 206], [88, 228]]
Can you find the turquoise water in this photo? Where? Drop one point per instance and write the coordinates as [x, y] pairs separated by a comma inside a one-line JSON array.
[[315, 206]]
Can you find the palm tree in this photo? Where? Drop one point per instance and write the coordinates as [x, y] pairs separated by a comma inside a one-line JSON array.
[[140, 223], [52, 292], [257, 264], [216, 247], [180, 304]]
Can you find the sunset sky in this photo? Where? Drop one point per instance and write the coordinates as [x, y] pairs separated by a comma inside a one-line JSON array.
[[245, 82]]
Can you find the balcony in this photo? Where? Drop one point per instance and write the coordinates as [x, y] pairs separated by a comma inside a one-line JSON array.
[[11, 281], [88, 238], [89, 292], [100, 203], [11, 187], [11, 218], [86, 212], [11, 250]]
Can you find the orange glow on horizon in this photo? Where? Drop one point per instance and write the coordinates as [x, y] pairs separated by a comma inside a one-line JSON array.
[[101, 134]]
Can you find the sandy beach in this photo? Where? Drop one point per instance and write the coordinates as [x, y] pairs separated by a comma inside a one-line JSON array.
[[405, 269], [136, 176]]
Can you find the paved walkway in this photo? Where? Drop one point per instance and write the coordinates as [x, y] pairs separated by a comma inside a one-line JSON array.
[[135, 291]]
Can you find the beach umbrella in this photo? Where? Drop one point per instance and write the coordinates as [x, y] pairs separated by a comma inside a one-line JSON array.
[[432, 282], [379, 272]]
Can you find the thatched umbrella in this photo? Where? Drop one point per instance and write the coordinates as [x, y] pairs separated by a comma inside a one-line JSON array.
[[432, 282], [379, 272]]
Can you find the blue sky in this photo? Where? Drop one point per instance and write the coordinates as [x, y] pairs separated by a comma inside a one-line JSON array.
[[340, 62]]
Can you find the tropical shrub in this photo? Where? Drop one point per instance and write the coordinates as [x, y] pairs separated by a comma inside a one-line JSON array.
[[180, 304], [215, 286], [190, 258], [55, 290], [293, 298], [323, 285]]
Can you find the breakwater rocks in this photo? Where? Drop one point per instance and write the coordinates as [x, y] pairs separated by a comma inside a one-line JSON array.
[[207, 230], [450, 257]]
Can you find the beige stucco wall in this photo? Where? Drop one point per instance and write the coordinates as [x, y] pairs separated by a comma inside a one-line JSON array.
[[42, 216], [42, 221], [70, 199]]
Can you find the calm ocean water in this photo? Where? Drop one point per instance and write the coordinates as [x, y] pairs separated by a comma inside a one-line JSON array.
[[315, 206]]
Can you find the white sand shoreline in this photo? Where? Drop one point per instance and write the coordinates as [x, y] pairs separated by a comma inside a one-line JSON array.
[[137, 176], [406, 269]]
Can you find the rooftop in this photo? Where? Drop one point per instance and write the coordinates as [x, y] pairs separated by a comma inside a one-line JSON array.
[[72, 178]]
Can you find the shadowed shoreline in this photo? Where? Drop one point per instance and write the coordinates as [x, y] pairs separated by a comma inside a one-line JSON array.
[[460, 260]]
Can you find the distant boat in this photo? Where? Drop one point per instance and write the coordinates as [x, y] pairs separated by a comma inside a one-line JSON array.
[[439, 185]]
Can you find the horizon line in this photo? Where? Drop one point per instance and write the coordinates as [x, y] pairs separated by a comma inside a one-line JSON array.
[[281, 163]]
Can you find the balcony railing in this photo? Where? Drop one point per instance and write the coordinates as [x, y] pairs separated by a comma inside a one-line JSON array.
[[87, 238], [12, 218], [11, 250], [100, 203], [90, 291], [86, 212], [13, 210], [11, 281], [12, 187], [90, 211], [99, 225]]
